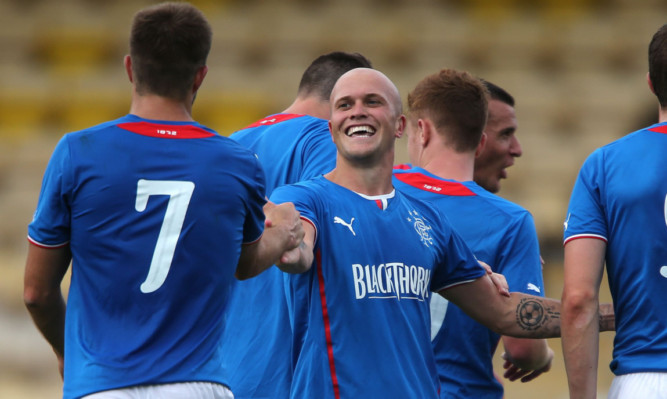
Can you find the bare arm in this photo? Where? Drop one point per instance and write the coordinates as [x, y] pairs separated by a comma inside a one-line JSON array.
[[42, 295], [283, 232], [518, 315], [584, 266]]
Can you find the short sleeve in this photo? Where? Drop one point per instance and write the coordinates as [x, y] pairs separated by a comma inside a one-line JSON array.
[[457, 263], [585, 214], [253, 226], [520, 257], [303, 199], [50, 226]]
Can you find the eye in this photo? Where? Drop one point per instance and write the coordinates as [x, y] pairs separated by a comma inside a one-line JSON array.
[[343, 105]]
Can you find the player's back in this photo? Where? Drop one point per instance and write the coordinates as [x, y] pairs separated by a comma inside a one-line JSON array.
[[290, 147], [159, 211], [500, 233], [621, 196]]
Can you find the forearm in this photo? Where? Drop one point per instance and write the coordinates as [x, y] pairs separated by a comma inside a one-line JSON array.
[[580, 343], [42, 295], [259, 256], [534, 317], [49, 318]]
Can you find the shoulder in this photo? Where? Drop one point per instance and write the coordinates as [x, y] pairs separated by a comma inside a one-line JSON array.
[[310, 188], [502, 205]]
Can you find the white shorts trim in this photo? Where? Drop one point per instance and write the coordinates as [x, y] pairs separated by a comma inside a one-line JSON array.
[[639, 385], [190, 390]]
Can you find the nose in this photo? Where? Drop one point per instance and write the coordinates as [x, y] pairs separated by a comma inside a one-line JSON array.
[[515, 147], [358, 109]]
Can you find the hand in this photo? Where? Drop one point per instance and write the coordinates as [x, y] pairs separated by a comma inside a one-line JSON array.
[[513, 373], [498, 280], [287, 218], [289, 260]]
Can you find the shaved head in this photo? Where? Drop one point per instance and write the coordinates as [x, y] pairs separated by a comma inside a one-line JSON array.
[[370, 77]]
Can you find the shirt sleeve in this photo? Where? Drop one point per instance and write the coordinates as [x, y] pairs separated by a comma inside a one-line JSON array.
[[519, 259], [457, 263], [585, 214], [253, 226], [50, 226], [303, 200]]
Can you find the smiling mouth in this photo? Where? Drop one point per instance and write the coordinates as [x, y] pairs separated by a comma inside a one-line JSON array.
[[360, 131]]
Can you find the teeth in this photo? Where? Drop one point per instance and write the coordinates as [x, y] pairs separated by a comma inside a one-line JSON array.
[[360, 129]]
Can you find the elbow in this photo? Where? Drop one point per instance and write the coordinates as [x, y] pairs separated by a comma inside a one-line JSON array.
[[528, 354], [575, 302], [34, 298], [579, 307]]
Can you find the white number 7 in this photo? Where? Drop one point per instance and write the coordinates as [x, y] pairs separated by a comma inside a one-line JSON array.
[[179, 193]]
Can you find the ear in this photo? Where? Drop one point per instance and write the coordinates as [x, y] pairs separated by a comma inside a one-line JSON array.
[[425, 130], [400, 126], [199, 78], [650, 84], [480, 146], [331, 131], [128, 67]]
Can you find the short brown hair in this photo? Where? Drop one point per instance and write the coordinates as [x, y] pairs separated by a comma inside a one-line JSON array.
[[169, 42], [456, 102]]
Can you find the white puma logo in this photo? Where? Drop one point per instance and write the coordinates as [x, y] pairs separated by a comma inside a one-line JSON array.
[[533, 287], [348, 225]]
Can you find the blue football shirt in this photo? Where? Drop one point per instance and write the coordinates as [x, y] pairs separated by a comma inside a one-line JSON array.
[[503, 235], [290, 148], [155, 214], [369, 289], [620, 196]]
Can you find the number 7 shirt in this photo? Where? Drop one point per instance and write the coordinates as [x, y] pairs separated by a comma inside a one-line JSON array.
[[155, 214], [620, 197]]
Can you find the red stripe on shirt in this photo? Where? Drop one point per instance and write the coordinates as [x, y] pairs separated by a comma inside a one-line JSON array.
[[166, 131], [403, 166], [578, 236], [437, 186], [327, 326], [659, 129], [273, 119]]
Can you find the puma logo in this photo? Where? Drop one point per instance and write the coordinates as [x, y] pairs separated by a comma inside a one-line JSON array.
[[344, 223]]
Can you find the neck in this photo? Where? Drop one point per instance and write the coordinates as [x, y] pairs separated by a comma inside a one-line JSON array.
[[160, 108], [448, 164], [311, 106], [662, 115], [368, 180]]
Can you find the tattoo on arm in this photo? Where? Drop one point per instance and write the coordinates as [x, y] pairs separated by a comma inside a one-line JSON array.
[[531, 314]]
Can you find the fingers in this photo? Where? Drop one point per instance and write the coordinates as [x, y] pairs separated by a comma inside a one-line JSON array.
[[486, 267], [501, 283], [290, 257], [513, 373]]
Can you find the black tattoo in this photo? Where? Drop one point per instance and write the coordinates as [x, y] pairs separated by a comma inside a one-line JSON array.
[[531, 314]]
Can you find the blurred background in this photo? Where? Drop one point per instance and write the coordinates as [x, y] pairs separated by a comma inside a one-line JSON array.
[[577, 69]]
